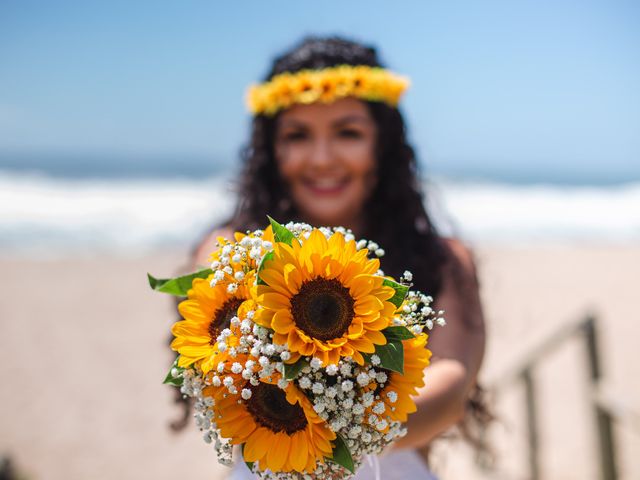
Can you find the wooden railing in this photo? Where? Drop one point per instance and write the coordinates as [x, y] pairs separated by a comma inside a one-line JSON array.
[[606, 409]]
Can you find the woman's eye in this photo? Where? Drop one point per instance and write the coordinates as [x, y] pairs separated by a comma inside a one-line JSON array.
[[294, 136], [350, 133]]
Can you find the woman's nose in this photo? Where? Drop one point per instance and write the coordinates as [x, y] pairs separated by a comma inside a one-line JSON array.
[[321, 155]]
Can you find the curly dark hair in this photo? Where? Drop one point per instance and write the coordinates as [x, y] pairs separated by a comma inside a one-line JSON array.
[[394, 215]]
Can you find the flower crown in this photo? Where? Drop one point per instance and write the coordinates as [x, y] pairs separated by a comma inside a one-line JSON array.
[[326, 85]]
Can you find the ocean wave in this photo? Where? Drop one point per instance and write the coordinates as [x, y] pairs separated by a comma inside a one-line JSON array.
[[508, 213], [40, 212]]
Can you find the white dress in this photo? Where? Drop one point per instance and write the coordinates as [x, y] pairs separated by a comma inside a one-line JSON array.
[[395, 465]]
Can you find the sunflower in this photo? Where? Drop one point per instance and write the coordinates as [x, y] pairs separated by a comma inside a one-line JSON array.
[[327, 86], [207, 311], [307, 87], [279, 428], [404, 386], [342, 80], [323, 299], [361, 81], [284, 90]]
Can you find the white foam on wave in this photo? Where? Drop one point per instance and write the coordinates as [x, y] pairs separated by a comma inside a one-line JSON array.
[[43, 213], [506, 213], [38, 212]]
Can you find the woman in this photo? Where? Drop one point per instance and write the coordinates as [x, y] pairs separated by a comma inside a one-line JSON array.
[[332, 160]]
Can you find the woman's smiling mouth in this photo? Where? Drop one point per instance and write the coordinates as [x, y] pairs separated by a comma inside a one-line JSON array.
[[326, 186]]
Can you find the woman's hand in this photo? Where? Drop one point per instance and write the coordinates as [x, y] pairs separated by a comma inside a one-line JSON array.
[[457, 349]]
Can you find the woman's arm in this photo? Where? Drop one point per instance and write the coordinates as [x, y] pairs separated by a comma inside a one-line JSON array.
[[457, 349]]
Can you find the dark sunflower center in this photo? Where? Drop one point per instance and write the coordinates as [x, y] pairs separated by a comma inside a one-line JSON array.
[[222, 317], [269, 407], [323, 308]]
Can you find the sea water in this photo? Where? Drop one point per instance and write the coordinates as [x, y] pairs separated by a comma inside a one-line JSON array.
[[43, 213]]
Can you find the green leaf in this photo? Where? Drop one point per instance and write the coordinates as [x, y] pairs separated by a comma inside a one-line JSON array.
[[342, 455], [291, 371], [280, 232], [268, 256], [401, 291], [397, 333], [178, 286], [177, 380], [249, 464], [391, 356]]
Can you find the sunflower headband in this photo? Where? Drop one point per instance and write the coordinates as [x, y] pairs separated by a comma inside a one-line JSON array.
[[326, 86]]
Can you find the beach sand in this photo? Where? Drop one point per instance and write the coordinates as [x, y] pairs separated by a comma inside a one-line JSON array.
[[83, 353]]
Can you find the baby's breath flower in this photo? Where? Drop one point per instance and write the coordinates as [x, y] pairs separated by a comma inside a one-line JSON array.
[[381, 377], [331, 369], [305, 382], [347, 385], [285, 355], [345, 369], [331, 392], [316, 363], [363, 379], [379, 408]]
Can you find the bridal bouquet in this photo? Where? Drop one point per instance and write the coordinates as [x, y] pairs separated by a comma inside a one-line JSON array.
[[295, 346]]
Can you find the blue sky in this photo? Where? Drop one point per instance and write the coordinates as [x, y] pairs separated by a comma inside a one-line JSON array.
[[497, 86]]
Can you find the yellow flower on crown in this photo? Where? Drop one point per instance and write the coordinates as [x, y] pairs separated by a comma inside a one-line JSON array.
[[323, 299], [326, 85]]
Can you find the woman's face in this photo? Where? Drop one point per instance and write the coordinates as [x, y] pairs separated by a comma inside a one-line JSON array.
[[326, 155]]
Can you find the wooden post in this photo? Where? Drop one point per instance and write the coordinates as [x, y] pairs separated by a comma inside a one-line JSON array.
[[532, 423], [604, 421]]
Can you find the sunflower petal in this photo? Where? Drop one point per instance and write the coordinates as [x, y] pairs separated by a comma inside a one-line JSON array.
[[274, 301], [282, 321], [299, 451], [278, 452]]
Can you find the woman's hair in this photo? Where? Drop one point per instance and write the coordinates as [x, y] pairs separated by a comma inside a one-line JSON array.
[[394, 215]]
